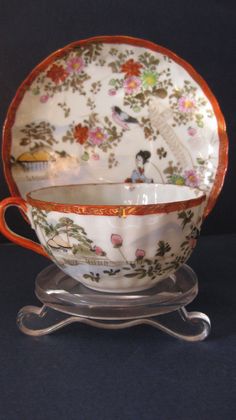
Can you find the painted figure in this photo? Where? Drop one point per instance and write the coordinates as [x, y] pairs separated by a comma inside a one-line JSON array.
[[138, 174]]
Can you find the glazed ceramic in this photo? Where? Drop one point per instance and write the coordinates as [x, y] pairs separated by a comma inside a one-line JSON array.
[[114, 109], [113, 237]]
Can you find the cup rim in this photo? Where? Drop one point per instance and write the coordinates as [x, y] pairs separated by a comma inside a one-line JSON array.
[[121, 210]]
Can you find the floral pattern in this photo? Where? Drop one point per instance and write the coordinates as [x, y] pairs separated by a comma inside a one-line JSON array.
[[191, 178], [68, 243], [70, 113], [131, 68], [81, 133], [141, 78], [68, 73], [149, 79], [75, 65], [97, 136], [187, 106], [57, 74], [131, 85]]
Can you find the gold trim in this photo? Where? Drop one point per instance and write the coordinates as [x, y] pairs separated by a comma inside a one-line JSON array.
[[124, 211]]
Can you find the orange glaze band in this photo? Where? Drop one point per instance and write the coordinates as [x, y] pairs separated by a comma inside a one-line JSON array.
[[17, 239], [10, 118], [121, 211]]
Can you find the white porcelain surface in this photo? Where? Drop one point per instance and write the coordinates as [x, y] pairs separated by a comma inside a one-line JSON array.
[[116, 194], [112, 112], [113, 253]]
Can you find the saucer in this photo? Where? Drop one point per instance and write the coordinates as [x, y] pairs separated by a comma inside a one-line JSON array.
[[114, 109]]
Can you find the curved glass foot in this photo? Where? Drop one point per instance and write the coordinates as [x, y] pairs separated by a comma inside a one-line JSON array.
[[188, 326]]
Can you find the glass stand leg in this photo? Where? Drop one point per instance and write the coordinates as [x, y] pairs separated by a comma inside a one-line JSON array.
[[181, 324], [37, 321], [187, 326]]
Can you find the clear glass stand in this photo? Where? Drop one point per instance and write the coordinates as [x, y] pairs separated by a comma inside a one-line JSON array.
[[66, 301]]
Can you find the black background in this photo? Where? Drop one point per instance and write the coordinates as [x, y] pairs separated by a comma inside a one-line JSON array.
[[201, 32]]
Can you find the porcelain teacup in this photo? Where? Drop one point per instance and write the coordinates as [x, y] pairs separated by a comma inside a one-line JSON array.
[[112, 237]]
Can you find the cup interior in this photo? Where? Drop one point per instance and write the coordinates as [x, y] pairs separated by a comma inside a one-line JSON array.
[[116, 194]]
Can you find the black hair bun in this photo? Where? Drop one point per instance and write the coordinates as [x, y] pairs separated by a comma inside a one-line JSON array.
[[145, 154]]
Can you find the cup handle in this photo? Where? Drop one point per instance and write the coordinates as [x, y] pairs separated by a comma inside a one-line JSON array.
[[14, 237]]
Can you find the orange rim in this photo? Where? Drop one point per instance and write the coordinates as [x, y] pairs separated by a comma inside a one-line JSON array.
[[10, 118], [121, 211], [113, 210]]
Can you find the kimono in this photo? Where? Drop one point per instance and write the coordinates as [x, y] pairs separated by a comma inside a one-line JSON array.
[[139, 176]]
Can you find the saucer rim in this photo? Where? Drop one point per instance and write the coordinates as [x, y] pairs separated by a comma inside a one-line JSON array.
[[133, 41]]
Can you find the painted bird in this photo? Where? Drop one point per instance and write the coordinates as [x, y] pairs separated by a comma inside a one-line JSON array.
[[121, 118]]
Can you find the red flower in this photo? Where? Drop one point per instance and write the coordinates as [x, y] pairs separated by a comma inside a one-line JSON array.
[[139, 254], [81, 133], [131, 68], [99, 251], [116, 240], [57, 73]]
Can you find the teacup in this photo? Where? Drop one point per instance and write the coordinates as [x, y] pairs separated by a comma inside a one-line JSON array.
[[112, 237]]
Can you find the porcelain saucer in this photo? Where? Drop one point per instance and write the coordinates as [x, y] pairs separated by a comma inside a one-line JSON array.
[[114, 109]]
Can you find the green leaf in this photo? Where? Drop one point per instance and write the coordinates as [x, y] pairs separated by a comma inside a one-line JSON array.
[[85, 156]]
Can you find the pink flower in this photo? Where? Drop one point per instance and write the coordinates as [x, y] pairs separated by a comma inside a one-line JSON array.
[[75, 65], [97, 136], [44, 98], [186, 105], [116, 240], [192, 131], [131, 84], [112, 92], [140, 253], [191, 178], [99, 251], [95, 156]]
